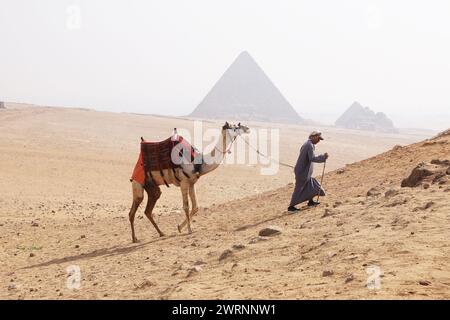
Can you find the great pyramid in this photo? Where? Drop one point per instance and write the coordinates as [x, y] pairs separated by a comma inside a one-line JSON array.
[[244, 92], [362, 118]]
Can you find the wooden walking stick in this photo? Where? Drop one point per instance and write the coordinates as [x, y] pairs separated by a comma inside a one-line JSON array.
[[321, 179]]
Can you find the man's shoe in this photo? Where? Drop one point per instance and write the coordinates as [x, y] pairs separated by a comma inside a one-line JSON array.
[[293, 209], [312, 203]]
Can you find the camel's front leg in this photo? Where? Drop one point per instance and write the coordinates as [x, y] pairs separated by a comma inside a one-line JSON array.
[[194, 210], [184, 191]]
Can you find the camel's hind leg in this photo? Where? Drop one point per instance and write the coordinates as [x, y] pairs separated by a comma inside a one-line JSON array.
[[194, 210], [138, 196], [153, 193]]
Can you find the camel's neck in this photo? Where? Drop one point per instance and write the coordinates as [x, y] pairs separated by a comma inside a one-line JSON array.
[[212, 160]]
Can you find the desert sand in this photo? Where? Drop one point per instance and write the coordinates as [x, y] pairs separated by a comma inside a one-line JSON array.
[[65, 196]]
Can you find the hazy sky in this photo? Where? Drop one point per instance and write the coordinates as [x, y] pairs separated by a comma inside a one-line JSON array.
[[164, 56]]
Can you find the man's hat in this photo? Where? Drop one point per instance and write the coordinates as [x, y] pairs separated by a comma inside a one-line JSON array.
[[315, 134]]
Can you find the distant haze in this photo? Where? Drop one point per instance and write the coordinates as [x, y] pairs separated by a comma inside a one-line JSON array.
[[163, 57]]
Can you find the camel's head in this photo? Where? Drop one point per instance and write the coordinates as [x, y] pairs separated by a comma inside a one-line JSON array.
[[236, 130]]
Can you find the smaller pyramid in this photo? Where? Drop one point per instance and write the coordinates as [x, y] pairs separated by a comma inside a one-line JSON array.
[[363, 118], [245, 92]]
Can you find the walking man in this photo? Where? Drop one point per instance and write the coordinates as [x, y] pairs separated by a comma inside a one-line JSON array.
[[306, 187]]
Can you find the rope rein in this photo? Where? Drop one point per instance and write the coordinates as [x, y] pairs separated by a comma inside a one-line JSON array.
[[267, 157]]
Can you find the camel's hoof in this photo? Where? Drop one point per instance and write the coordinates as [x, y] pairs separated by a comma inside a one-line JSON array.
[[135, 240], [162, 234], [179, 228]]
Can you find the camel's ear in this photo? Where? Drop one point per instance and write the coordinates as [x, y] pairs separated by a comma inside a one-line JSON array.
[[239, 124], [226, 125]]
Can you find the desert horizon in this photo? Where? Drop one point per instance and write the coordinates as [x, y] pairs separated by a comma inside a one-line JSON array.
[[424, 131]]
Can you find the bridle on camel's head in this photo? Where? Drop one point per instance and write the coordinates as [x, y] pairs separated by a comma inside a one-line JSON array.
[[239, 127], [227, 127]]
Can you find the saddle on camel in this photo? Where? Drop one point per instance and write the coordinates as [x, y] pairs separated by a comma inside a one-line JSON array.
[[158, 156]]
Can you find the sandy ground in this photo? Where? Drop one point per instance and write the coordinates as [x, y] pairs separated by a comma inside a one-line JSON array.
[[65, 196]]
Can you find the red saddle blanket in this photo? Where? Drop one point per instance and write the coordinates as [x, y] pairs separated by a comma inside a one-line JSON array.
[[157, 156]]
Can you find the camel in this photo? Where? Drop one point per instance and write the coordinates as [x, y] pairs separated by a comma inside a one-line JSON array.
[[185, 179]]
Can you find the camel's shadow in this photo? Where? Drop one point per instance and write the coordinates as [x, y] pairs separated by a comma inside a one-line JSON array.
[[105, 252]]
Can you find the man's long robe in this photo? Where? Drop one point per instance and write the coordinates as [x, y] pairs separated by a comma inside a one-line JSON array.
[[306, 187]]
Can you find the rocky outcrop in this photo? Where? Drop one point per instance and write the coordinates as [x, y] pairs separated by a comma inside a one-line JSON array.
[[426, 173], [362, 118]]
